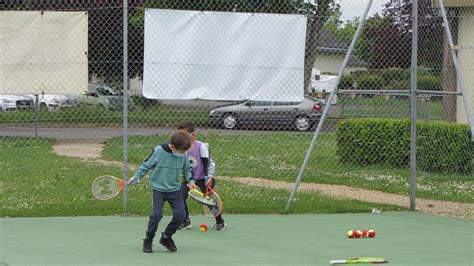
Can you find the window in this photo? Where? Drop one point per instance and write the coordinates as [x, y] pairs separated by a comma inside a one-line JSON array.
[[260, 103]]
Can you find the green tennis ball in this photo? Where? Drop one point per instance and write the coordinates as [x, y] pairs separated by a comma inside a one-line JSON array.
[[350, 234]]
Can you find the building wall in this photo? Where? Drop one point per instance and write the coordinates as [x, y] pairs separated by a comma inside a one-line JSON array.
[[331, 63], [466, 57]]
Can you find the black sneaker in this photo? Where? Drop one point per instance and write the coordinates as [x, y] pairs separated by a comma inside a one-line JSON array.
[[168, 243], [147, 246], [220, 226], [185, 225]]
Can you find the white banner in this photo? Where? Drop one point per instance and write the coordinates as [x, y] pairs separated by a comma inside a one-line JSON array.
[[223, 56], [43, 52]]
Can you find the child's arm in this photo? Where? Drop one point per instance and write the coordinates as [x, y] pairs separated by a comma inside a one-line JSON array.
[[211, 168], [148, 164], [209, 165], [188, 173]]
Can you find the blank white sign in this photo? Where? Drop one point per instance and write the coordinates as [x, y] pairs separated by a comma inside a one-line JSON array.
[[223, 56], [43, 52]]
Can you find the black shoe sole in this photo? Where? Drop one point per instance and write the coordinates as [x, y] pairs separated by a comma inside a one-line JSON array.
[[170, 249]]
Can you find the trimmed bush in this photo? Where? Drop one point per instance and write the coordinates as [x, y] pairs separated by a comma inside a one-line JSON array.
[[395, 74], [346, 83], [429, 83], [398, 85], [444, 147], [370, 82], [441, 147]]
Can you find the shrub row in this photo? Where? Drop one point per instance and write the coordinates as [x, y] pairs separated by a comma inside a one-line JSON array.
[[389, 79], [441, 147]]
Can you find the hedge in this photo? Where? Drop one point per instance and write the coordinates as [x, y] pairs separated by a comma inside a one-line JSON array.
[[395, 74], [429, 83], [441, 147], [370, 82], [346, 83]]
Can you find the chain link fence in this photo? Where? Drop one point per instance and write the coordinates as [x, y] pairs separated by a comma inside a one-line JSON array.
[[255, 78]]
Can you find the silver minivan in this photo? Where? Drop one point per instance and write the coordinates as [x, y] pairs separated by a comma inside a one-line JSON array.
[[301, 116]]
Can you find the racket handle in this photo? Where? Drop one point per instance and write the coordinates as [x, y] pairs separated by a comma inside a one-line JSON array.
[[134, 181]]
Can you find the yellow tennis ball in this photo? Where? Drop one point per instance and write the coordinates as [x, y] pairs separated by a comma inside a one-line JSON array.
[[350, 234]]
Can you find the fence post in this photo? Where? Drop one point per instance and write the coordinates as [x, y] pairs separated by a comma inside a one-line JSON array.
[[413, 107], [125, 104], [327, 106]]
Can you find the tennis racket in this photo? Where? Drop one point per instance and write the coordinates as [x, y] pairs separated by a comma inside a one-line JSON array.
[[211, 201], [107, 187], [216, 210], [201, 198], [359, 261]]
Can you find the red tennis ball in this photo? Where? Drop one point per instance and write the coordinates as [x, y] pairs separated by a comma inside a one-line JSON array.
[[357, 233], [350, 234], [365, 233], [203, 228], [371, 233]]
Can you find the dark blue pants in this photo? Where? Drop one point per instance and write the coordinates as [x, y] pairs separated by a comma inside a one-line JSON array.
[[202, 186], [175, 199]]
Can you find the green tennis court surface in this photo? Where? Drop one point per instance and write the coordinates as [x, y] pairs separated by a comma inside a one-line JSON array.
[[402, 238]]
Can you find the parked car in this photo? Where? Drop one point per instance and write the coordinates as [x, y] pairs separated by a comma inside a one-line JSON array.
[[301, 115], [15, 102], [52, 102], [103, 96]]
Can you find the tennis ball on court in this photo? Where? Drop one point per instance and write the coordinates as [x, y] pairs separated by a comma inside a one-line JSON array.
[[365, 233], [371, 233], [357, 233], [350, 234], [203, 228]]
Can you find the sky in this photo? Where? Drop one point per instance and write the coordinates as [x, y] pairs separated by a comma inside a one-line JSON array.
[[355, 8]]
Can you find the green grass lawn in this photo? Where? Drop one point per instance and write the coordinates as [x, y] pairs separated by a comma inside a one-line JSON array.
[[36, 182], [279, 155]]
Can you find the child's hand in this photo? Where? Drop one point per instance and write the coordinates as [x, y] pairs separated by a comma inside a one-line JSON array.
[[208, 181], [191, 185], [133, 181]]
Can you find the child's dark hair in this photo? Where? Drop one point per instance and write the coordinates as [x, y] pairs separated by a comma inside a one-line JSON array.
[[181, 140], [189, 127]]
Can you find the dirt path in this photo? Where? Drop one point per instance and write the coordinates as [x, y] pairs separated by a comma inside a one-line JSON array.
[[91, 152]]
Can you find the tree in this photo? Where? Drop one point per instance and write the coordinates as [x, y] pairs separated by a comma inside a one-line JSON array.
[[346, 32], [388, 46], [430, 28], [389, 35]]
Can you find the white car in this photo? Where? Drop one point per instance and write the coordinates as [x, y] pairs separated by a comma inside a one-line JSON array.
[[14, 102], [53, 102]]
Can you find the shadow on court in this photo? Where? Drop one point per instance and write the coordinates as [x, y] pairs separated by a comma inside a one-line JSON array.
[[403, 238]]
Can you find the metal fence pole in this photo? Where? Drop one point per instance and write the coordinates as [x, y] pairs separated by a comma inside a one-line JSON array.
[[457, 68], [125, 104], [37, 107], [413, 107], [327, 106]]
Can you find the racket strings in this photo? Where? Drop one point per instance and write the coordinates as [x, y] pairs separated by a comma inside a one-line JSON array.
[[104, 188]]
